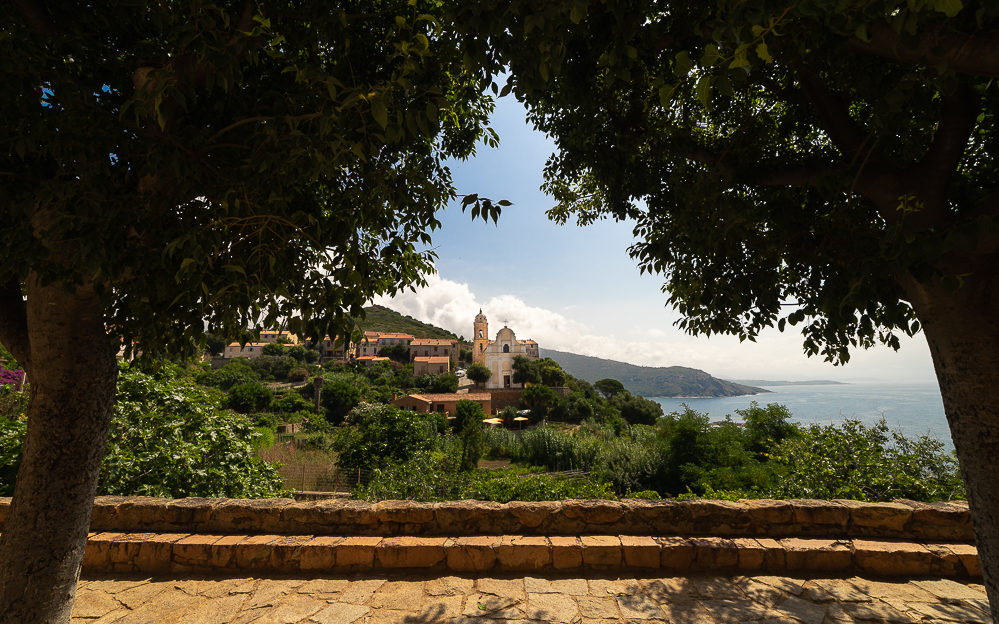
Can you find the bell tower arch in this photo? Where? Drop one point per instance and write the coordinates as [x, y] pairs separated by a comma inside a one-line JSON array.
[[480, 337]]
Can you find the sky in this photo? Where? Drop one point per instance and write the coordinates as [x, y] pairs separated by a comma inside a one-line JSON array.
[[576, 288]]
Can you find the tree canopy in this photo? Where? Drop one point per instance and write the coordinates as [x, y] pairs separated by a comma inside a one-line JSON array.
[[819, 164]]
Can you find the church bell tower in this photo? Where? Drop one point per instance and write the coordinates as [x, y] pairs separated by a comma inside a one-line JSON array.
[[480, 338]]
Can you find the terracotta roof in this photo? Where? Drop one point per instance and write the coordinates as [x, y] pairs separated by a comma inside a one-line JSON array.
[[431, 342], [433, 359], [373, 358], [380, 336], [471, 396], [527, 342], [275, 331], [250, 344]]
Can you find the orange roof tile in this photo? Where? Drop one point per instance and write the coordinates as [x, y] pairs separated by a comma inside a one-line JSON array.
[[471, 396], [430, 342], [432, 359], [380, 336]]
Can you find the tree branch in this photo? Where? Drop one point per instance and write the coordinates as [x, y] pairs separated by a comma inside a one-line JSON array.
[[14, 322], [836, 120], [967, 53], [934, 172]]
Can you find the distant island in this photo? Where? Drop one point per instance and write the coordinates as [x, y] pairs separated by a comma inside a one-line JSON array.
[[649, 381], [809, 382]]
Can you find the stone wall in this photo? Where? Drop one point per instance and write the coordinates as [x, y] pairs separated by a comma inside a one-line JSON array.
[[749, 518], [903, 538]]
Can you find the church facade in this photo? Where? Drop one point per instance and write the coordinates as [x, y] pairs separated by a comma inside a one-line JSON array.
[[497, 355]]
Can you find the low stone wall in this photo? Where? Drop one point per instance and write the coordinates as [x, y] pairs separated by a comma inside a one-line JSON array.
[[155, 553], [901, 520]]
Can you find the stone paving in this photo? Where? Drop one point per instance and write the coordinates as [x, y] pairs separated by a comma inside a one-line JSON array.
[[416, 599]]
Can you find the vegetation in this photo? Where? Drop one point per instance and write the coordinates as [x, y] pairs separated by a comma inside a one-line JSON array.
[[468, 427], [671, 381], [282, 161], [381, 319], [479, 373], [837, 155]]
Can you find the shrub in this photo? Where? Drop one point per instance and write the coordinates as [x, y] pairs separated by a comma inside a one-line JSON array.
[[468, 427], [290, 402], [170, 438], [235, 372], [298, 374], [249, 397], [862, 462], [377, 435], [12, 433]]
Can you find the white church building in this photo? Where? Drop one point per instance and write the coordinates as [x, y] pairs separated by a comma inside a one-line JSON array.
[[497, 355]]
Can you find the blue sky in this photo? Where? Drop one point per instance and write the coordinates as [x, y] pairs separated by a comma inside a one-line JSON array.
[[576, 289]]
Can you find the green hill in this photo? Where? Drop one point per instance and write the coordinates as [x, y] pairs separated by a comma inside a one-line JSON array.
[[672, 381], [381, 319]]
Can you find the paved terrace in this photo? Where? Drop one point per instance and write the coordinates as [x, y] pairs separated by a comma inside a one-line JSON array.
[[593, 599], [277, 560]]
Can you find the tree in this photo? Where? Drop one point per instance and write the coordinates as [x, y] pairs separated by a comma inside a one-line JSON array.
[[251, 396], [468, 427], [165, 165], [635, 409], [274, 348], [525, 371], [479, 373], [608, 387], [399, 352], [377, 435], [539, 399], [829, 166]]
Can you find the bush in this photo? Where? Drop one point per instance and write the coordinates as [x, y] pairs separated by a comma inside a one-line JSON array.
[[12, 432], [170, 438], [377, 435], [872, 463], [273, 348], [290, 402], [237, 371], [249, 397], [468, 427], [298, 374]]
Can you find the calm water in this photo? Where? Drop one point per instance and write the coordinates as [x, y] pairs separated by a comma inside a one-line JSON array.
[[916, 409]]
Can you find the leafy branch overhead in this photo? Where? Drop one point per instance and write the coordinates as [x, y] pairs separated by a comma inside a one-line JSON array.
[[827, 155], [238, 165]]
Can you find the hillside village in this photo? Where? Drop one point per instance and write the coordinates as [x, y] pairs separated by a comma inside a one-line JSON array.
[[428, 356]]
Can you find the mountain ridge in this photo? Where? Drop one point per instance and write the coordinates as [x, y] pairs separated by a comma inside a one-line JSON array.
[[651, 381]]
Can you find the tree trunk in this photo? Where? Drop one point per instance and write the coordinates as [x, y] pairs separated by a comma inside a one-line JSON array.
[[962, 329], [73, 375]]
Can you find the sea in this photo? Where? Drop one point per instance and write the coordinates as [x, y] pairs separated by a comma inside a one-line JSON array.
[[915, 409]]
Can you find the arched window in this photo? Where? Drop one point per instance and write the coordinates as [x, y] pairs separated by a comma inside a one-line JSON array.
[[506, 348], [480, 333]]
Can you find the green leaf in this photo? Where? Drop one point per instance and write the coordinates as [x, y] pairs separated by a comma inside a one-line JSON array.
[[763, 53], [379, 112], [682, 64], [950, 8], [861, 33], [703, 90]]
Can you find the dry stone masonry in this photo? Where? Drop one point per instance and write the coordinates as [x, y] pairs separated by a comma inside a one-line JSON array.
[[902, 538]]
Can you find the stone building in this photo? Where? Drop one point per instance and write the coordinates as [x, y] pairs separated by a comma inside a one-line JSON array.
[[497, 355], [444, 403], [434, 347], [373, 342]]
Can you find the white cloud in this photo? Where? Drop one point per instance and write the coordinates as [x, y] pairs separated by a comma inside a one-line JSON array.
[[630, 338]]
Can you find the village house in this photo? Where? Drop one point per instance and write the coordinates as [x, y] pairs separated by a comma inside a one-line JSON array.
[[497, 355], [433, 365], [335, 349], [249, 350], [373, 342], [443, 403], [273, 335], [434, 347]]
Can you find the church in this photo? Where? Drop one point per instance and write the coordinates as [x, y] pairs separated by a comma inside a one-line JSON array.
[[497, 355]]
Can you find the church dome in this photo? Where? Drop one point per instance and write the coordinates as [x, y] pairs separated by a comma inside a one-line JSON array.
[[505, 335], [480, 317]]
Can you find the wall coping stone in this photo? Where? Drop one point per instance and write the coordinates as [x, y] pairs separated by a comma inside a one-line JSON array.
[[904, 520]]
